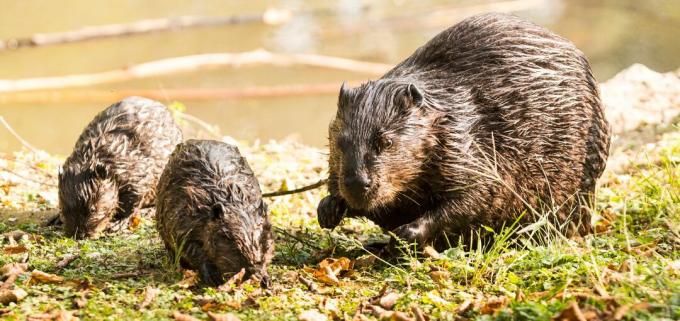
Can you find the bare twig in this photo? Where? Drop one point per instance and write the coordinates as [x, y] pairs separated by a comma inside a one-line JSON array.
[[297, 190], [14, 133], [68, 259], [178, 94], [44, 171], [27, 178], [191, 63], [271, 16]]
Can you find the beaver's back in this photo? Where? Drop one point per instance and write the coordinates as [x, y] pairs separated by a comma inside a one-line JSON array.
[[198, 175], [519, 96]]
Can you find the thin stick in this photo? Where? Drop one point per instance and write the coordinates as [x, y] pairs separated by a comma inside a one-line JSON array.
[[168, 94], [21, 140], [272, 16], [44, 171], [297, 190], [27, 178], [169, 66]]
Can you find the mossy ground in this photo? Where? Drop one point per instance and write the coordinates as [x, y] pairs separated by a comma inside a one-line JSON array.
[[630, 269]]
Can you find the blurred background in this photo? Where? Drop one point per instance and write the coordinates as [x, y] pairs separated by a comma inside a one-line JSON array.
[[269, 101]]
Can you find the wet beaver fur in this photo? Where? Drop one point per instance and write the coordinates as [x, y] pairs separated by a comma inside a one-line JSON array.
[[493, 117], [210, 212], [115, 165]]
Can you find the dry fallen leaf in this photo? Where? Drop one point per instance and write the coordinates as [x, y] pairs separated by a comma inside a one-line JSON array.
[[430, 252], [364, 261], [440, 277], [42, 277], [13, 269], [329, 270], [235, 280], [389, 300], [9, 296], [571, 313], [331, 307], [15, 249], [222, 317], [493, 304], [135, 221], [189, 279], [150, 294], [312, 315], [418, 313], [183, 317]]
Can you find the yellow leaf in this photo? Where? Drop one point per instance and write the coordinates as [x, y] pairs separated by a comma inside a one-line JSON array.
[[42, 277]]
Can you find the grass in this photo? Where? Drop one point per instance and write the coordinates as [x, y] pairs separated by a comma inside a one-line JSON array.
[[629, 269]]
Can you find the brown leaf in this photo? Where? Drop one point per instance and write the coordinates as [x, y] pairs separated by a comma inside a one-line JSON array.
[[15, 249], [571, 313], [183, 317], [233, 281], [330, 306], [309, 284], [465, 306], [16, 235], [312, 315], [66, 260], [430, 252], [63, 315], [493, 304], [189, 279], [418, 313], [222, 317], [9, 296], [81, 301], [364, 261], [42, 277], [440, 277], [150, 294], [389, 300], [135, 221], [13, 269]]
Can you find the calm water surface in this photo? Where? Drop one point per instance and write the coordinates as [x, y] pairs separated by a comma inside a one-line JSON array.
[[613, 34]]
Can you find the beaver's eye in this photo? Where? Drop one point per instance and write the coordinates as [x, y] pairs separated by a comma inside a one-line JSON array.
[[384, 143]]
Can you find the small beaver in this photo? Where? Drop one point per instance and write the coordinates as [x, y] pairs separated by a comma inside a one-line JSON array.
[[115, 165], [210, 212], [492, 118]]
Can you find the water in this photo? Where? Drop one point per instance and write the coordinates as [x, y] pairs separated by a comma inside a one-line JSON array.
[[613, 33]]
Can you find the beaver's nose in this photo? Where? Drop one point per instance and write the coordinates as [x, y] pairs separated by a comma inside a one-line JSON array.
[[359, 183]]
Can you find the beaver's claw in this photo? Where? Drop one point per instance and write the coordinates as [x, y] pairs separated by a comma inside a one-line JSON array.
[[330, 212]]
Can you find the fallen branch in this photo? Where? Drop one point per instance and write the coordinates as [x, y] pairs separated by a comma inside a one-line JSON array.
[[271, 17], [28, 178], [19, 138], [297, 190], [191, 63], [177, 94]]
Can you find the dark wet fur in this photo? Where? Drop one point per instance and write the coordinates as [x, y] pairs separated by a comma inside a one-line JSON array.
[[115, 165], [491, 118], [210, 212]]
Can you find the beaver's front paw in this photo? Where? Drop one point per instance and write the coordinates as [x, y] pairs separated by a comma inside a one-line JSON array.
[[408, 234], [330, 212]]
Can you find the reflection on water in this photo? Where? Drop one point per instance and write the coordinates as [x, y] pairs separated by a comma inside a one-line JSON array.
[[612, 33]]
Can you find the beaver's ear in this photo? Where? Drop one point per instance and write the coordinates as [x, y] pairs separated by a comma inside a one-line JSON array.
[[415, 95], [344, 95], [217, 211]]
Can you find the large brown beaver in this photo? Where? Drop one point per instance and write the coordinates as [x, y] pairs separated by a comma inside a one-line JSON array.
[[493, 117], [115, 165], [210, 212]]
